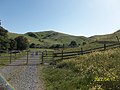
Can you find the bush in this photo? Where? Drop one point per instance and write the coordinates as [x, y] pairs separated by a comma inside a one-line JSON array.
[[32, 45], [73, 44], [4, 45], [13, 44], [22, 43]]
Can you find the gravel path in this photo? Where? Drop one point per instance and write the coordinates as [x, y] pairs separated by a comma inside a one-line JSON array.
[[24, 77]]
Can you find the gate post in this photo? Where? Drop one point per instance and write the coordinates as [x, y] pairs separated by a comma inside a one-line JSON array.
[[62, 54]]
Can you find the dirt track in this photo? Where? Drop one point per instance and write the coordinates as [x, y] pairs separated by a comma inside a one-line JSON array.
[[24, 77]]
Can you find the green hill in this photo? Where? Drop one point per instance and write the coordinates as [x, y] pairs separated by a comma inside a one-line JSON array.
[[48, 38], [56, 37], [31, 39], [107, 37]]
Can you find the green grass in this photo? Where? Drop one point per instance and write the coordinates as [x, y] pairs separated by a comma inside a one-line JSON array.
[[79, 73]]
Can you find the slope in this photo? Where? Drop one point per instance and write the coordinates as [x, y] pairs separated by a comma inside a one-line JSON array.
[[52, 37], [108, 37]]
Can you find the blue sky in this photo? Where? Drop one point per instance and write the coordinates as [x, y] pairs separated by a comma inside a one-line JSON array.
[[76, 17]]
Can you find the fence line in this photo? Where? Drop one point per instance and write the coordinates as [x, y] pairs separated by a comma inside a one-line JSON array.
[[65, 55], [51, 56]]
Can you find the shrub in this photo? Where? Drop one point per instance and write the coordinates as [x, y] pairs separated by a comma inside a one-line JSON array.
[[22, 43]]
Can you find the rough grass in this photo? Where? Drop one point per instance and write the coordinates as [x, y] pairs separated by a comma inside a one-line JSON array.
[[81, 72]]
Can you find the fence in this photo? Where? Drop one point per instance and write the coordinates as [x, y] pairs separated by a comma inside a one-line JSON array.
[[58, 56], [7, 57], [37, 57]]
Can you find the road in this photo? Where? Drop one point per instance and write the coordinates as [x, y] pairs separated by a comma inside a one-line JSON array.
[[22, 76]]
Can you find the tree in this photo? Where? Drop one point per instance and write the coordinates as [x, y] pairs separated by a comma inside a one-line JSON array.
[[4, 45], [22, 43], [84, 43], [73, 44], [32, 45], [13, 44]]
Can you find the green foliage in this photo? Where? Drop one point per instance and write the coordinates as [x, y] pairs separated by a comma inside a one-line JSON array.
[[73, 44], [38, 46], [84, 43], [13, 44], [22, 43], [32, 34], [3, 32], [4, 45], [79, 73], [32, 45]]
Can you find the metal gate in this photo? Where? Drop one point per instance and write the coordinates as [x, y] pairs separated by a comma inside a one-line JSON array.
[[17, 57]]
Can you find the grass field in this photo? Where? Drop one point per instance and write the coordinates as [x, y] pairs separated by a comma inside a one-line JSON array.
[[95, 71]]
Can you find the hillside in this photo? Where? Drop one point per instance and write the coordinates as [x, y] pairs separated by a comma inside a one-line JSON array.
[[107, 37], [31, 39], [56, 37], [48, 38]]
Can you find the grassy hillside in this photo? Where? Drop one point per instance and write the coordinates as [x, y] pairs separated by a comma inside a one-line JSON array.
[[48, 38], [107, 37], [56, 37], [95, 71], [31, 39]]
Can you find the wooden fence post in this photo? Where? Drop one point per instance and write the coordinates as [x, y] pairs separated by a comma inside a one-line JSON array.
[[81, 52], [10, 57], [27, 57], [42, 57], [46, 53], [62, 54], [104, 46], [54, 61], [15, 55], [63, 46], [118, 40], [53, 55]]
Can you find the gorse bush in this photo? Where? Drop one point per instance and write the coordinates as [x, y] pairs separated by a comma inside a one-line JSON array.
[[80, 73]]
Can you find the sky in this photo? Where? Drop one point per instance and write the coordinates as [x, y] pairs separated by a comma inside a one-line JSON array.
[[75, 17]]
